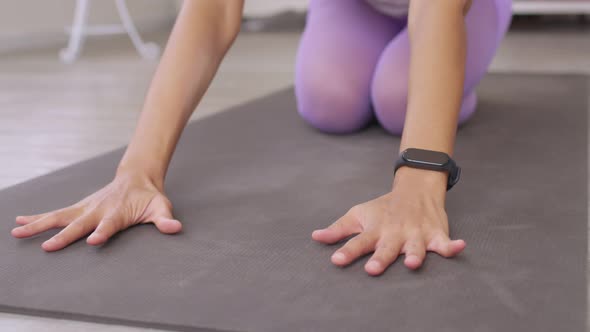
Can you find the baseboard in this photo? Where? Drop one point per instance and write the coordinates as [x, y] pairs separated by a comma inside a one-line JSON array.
[[544, 7], [17, 42], [263, 8]]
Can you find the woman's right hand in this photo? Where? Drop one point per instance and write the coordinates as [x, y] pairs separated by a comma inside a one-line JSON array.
[[128, 200]]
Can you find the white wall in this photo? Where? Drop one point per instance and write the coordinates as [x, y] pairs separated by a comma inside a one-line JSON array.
[[30, 23], [37, 23]]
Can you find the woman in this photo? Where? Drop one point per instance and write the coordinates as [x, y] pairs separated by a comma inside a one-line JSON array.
[[353, 63]]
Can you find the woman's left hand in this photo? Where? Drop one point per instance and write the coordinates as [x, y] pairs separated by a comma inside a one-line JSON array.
[[411, 219]]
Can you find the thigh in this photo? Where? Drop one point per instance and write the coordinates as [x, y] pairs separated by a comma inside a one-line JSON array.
[[338, 52], [486, 24], [343, 38]]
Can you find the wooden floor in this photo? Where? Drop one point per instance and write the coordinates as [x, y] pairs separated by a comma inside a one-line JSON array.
[[53, 115]]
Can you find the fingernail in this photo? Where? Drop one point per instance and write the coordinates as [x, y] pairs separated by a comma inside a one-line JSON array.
[[339, 257], [374, 266], [92, 236]]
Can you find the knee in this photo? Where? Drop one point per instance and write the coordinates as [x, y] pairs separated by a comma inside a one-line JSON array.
[[390, 103], [334, 107]]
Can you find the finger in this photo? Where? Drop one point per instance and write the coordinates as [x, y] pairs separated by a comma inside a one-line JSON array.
[[23, 220], [165, 222], [49, 221], [346, 226], [74, 231], [356, 247], [106, 228], [162, 216], [61, 213], [167, 225], [415, 251], [385, 254], [442, 245]]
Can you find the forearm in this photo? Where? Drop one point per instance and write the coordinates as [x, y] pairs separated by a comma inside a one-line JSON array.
[[201, 36], [437, 71]]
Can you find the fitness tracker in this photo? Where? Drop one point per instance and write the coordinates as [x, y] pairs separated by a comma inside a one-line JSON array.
[[430, 160]]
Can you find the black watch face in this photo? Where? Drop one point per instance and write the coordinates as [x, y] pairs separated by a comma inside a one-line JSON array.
[[426, 157]]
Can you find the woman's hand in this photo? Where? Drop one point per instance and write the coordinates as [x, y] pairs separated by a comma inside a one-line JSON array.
[[411, 219], [128, 200]]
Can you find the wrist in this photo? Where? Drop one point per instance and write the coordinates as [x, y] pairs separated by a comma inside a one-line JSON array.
[[426, 180], [153, 176]]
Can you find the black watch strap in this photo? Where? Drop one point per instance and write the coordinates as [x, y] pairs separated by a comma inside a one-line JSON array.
[[430, 160]]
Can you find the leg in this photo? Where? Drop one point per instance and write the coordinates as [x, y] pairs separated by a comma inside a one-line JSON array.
[[486, 23], [335, 63]]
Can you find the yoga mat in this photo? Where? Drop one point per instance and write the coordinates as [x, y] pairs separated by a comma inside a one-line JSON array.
[[251, 184]]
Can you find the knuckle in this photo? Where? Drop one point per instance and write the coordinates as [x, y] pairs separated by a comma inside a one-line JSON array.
[[29, 228], [346, 251], [388, 247], [58, 218], [440, 237], [446, 253], [76, 227], [33, 217], [412, 247], [408, 249], [443, 251], [363, 241], [107, 220], [350, 246], [354, 210], [167, 202], [111, 223], [80, 227], [52, 217], [59, 238], [80, 206], [119, 223], [337, 225], [373, 235]]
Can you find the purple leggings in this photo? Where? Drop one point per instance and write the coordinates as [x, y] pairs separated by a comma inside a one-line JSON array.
[[353, 63]]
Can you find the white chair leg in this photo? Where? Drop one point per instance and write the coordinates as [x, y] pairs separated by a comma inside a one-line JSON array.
[[146, 50], [70, 54]]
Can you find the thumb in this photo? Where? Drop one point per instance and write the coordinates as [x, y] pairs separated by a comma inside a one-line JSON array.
[[167, 225], [162, 216]]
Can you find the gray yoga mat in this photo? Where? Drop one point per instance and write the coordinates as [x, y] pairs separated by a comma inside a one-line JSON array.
[[251, 184]]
